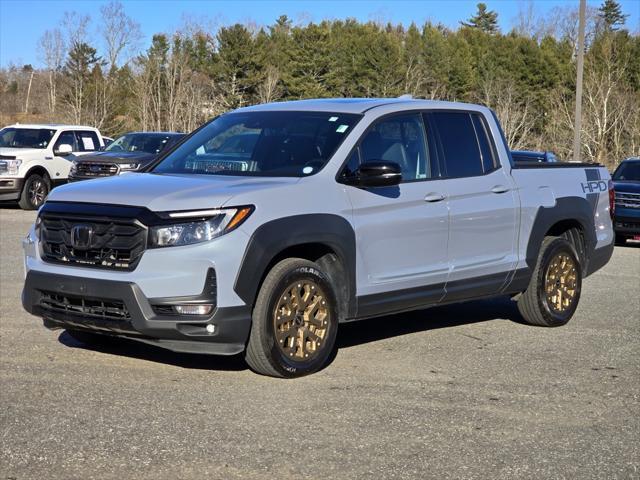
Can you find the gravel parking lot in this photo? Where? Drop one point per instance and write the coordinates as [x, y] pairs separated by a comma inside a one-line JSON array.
[[464, 391]]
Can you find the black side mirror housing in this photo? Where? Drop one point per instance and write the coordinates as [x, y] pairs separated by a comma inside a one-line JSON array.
[[376, 173]]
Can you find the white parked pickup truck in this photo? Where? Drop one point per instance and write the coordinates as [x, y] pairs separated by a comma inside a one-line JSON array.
[[35, 158]]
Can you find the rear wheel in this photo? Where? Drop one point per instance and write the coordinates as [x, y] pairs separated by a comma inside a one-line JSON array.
[[295, 321], [554, 290], [35, 191]]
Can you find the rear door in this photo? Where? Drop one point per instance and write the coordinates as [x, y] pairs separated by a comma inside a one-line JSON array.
[[401, 230], [482, 202]]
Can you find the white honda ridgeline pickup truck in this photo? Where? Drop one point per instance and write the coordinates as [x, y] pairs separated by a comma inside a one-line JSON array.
[[315, 213]]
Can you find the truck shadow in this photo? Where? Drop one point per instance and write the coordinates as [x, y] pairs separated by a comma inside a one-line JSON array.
[[349, 335]]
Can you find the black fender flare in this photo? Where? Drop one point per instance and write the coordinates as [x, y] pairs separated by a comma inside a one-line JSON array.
[[272, 238], [568, 208]]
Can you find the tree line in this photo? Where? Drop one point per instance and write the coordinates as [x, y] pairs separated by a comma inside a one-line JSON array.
[[527, 75]]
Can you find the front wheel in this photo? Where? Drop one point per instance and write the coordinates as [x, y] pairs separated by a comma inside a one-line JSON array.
[[295, 321], [554, 290], [35, 191]]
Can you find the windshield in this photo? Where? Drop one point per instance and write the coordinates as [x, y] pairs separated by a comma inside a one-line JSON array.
[[140, 142], [628, 171], [274, 144], [25, 137]]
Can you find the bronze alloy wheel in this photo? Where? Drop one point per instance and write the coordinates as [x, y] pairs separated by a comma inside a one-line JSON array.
[[560, 283], [37, 192], [301, 320]]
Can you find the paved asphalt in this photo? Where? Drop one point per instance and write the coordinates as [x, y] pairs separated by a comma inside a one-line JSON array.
[[465, 391]]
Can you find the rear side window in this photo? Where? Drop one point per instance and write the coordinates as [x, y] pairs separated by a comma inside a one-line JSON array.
[[87, 141], [464, 146]]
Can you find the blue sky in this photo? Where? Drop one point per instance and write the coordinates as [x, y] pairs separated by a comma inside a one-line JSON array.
[[23, 21]]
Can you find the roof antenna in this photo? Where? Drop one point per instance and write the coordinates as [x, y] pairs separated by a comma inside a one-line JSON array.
[[406, 96]]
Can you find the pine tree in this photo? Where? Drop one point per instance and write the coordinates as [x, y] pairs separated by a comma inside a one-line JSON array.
[[611, 14], [485, 20]]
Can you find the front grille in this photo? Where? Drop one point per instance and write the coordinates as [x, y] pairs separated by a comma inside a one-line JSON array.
[[628, 225], [92, 169], [71, 311], [105, 309], [628, 200], [115, 243]]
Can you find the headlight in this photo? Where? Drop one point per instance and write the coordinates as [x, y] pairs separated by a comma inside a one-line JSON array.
[[218, 223], [129, 166], [12, 166]]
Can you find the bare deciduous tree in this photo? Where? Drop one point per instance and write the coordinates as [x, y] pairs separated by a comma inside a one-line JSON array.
[[121, 34], [51, 52], [269, 90], [514, 111]]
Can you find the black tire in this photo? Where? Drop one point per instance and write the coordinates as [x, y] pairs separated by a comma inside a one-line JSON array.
[[621, 240], [535, 304], [280, 350], [89, 338], [34, 192]]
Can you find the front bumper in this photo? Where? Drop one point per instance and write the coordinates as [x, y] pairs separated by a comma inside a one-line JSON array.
[[10, 188], [120, 308]]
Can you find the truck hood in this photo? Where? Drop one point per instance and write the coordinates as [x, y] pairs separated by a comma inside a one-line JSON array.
[[627, 186], [165, 192], [22, 152], [117, 157]]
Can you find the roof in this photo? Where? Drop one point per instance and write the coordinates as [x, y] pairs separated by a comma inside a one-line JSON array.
[[53, 126], [350, 105]]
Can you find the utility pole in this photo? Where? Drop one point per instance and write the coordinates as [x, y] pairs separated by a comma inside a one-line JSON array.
[[580, 66]]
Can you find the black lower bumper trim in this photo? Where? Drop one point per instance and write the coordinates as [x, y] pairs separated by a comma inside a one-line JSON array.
[[181, 333], [599, 258]]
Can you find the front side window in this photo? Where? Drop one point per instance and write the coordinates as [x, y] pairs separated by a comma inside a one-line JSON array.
[[399, 139], [67, 138], [25, 137], [289, 144]]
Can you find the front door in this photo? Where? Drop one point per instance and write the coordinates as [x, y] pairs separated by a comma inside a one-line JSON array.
[[401, 231]]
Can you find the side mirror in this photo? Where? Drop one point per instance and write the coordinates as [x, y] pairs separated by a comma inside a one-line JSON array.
[[376, 174], [63, 150]]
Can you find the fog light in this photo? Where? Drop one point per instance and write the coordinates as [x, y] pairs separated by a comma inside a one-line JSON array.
[[211, 328], [193, 309]]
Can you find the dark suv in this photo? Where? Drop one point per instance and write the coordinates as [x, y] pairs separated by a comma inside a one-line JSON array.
[[129, 152], [626, 181]]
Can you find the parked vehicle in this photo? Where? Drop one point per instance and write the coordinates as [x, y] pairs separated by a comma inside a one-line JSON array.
[[35, 158], [342, 210], [626, 181], [530, 156], [129, 152]]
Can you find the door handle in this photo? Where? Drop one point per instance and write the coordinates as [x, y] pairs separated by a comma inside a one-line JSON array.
[[500, 189], [434, 197]]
